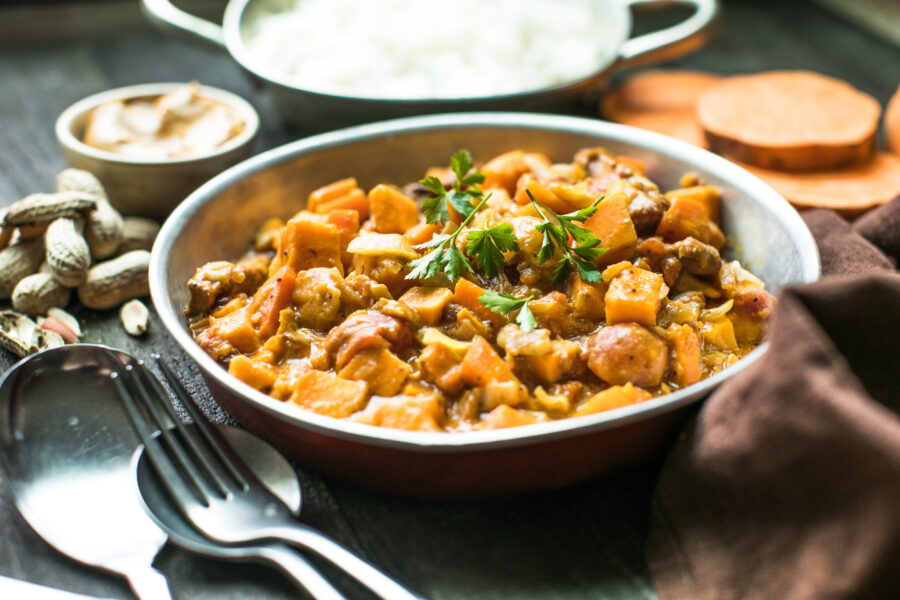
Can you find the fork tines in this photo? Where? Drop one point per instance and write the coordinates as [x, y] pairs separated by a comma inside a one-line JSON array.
[[196, 459]]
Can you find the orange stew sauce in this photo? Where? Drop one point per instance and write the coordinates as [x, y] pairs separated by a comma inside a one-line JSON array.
[[320, 312]]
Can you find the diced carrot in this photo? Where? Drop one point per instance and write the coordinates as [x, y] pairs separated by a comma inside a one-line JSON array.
[[612, 225], [380, 368], [506, 416], [541, 193], [331, 192], [392, 211], [256, 374], [504, 170], [328, 394], [355, 200], [615, 397], [418, 412], [689, 217], [269, 300], [236, 329], [421, 233], [442, 367], [635, 295], [482, 365], [429, 302], [346, 220], [685, 354], [306, 244], [466, 294], [720, 333]]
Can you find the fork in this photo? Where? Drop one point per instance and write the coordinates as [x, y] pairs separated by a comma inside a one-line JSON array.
[[215, 489]]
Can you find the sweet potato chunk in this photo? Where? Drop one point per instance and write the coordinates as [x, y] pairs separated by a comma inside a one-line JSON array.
[[554, 313], [233, 331], [466, 295], [628, 353], [380, 368], [635, 295], [587, 300], [392, 211], [306, 244], [419, 412], [720, 333], [688, 216], [429, 302], [612, 225], [541, 193], [421, 233], [685, 354], [482, 365], [317, 297], [329, 395], [551, 367], [254, 373], [615, 397], [504, 170], [506, 416], [442, 367]]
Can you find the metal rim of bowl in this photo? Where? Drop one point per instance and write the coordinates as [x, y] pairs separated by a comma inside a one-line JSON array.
[[67, 118], [234, 42], [485, 439]]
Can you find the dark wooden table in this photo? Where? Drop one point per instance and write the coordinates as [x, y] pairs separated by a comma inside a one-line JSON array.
[[581, 542]]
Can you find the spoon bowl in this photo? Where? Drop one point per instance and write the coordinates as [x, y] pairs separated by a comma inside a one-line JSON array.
[[66, 446]]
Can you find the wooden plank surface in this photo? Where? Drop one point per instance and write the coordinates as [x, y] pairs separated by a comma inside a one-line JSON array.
[[582, 542]]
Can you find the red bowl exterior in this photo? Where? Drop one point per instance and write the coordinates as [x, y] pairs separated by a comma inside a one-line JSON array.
[[461, 473]]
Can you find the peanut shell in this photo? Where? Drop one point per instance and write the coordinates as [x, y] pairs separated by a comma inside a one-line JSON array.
[[22, 336], [68, 254], [18, 261], [38, 293], [44, 208], [138, 233], [114, 281]]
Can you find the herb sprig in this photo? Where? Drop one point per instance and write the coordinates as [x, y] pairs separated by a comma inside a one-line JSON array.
[[488, 246], [443, 253], [503, 304], [460, 198], [583, 255]]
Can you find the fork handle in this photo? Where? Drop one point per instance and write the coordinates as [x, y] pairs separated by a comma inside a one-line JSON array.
[[298, 534], [147, 583], [300, 571]]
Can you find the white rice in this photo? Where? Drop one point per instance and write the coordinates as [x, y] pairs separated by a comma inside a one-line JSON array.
[[429, 48]]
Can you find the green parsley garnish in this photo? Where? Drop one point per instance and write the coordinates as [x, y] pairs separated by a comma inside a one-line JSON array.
[[435, 208], [503, 304], [582, 256], [443, 254], [488, 246]]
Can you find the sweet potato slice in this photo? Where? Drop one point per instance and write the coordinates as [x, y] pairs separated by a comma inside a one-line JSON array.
[[612, 225], [635, 296], [789, 120], [482, 365], [892, 123], [658, 90], [616, 396], [663, 101], [429, 302], [851, 191]]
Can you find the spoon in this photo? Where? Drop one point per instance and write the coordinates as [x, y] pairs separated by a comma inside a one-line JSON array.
[[66, 445], [277, 475]]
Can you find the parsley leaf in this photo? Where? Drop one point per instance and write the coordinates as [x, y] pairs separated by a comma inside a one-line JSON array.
[[503, 304], [444, 255], [489, 245], [582, 256], [460, 198]]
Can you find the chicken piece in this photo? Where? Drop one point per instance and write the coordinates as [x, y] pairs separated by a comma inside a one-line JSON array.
[[317, 297], [628, 353], [698, 258], [554, 313], [222, 279], [363, 330]]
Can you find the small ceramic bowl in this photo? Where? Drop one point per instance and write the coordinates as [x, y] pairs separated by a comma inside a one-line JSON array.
[[152, 188]]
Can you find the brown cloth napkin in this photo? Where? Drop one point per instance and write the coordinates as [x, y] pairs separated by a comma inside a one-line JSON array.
[[787, 485]]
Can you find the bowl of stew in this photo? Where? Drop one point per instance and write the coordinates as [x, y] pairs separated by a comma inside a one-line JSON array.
[[605, 280]]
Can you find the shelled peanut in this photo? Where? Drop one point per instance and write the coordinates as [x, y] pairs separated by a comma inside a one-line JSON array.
[[52, 244]]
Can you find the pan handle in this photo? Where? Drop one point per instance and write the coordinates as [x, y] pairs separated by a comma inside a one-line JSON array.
[[168, 16], [671, 42]]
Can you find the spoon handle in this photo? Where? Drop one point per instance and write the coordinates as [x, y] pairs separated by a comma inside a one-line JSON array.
[[147, 583], [300, 571], [298, 534]]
